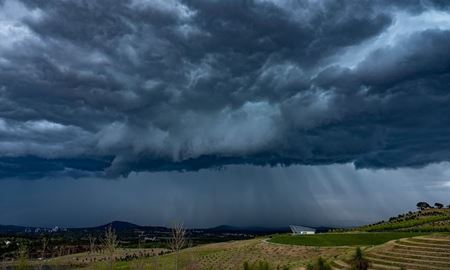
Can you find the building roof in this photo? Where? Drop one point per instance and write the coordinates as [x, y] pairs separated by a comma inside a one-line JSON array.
[[296, 229]]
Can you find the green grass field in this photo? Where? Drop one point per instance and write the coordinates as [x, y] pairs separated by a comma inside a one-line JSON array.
[[341, 239]]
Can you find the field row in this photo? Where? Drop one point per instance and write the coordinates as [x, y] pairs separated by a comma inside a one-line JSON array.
[[419, 253]]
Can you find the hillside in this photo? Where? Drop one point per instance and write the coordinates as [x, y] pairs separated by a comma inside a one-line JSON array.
[[427, 220], [232, 255], [421, 253], [341, 239], [11, 229]]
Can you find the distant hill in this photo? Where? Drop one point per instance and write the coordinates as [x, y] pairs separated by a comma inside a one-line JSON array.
[[11, 229], [122, 226], [127, 226], [118, 226], [428, 220]]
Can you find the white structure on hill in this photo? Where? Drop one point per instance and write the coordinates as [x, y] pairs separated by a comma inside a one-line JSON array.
[[301, 230]]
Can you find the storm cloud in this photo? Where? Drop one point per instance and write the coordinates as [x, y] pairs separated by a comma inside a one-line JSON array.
[[105, 88]]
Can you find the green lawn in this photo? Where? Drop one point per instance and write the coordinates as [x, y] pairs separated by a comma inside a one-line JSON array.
[[341, 239]]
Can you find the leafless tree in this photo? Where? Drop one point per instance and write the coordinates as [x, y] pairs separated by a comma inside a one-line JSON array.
[[92, 241], [141, 235], [110, 244], [59, 253], [22, 257], [177, 241], [4, 262], [45, 242]]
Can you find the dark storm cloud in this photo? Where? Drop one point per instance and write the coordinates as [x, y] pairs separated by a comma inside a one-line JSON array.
[[107, 88]]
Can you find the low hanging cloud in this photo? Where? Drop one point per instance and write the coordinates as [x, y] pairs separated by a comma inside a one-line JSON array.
[[107, 88]]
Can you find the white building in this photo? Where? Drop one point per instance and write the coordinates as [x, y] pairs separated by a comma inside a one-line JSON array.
[[296, 230]]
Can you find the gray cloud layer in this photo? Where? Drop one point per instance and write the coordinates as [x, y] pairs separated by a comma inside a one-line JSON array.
[[110, 87]]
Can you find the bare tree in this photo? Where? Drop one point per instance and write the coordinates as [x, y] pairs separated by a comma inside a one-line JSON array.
[[177, 241], [110, 244], [92, 241], [59, 253], [4, 262], [45, 242], [22, 257]]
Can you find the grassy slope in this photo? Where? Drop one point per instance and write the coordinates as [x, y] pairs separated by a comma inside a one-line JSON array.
[[340, 239], [84, 258], [232, 255], [431, 220]]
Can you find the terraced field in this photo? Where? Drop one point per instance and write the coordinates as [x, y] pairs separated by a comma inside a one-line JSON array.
[[341, 239], [232, 255], [430, 252]]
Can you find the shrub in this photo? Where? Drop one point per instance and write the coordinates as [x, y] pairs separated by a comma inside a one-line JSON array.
[[320, 264], [358, 261], [262, 265], [110, 244], [22, 258]]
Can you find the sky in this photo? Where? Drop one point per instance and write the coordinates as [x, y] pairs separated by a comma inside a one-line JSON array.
[[208, 112]]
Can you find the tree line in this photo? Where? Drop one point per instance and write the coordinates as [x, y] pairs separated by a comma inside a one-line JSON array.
[[425, 205]]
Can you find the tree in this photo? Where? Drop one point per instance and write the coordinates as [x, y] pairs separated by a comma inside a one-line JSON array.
[[22, 257], [320, 264], [439, 205], [92, 240], [59, 253], [359, 262], [4, 262], [177, 241], [110, 244], [423, 205], [45, 242]]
